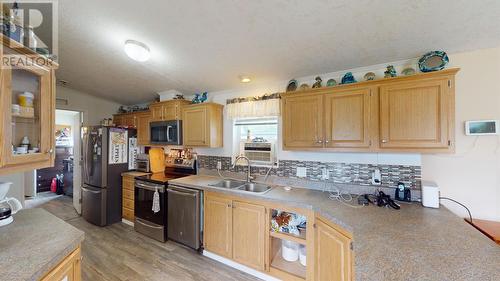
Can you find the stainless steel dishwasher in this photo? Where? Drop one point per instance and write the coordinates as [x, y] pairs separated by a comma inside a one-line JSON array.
[[184, 212]]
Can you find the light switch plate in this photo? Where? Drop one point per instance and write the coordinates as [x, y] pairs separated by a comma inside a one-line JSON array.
[[301, 172]]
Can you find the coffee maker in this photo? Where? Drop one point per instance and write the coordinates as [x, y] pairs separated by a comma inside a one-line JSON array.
[[8, 206]]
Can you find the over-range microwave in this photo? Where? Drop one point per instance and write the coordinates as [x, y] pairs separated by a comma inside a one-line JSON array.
[[166, 132]]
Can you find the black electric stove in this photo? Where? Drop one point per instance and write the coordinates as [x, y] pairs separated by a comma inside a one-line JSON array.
[[147, 221]]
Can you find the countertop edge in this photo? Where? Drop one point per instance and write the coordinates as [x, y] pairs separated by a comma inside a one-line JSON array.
[[58, 258]]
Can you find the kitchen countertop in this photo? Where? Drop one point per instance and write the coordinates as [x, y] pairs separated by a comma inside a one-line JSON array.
[[134, 173], [413, 243], [34, 243]]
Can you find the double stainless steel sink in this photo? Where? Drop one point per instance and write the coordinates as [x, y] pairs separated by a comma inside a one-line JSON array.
[[242, 186]]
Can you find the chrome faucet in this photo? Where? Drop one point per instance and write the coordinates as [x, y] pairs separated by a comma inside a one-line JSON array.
[[249, 177]]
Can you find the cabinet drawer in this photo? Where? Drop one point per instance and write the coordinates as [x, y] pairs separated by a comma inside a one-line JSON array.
[[128, 194], [127, 203], [128, 214], [128, 184]]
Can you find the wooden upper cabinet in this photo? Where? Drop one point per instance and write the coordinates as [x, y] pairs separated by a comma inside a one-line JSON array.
[[118, 120], [402, 114], [129, 120], [167, 110], [143, 130], [20, 118], [333, 259], [156, 112], [347, 119], [125, 119], [172, 111], [416, 114], [218, 225], [202, 125], [303, 121], [248, 234]]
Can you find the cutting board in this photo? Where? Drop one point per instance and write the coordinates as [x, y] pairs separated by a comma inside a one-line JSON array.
[[157, 160]]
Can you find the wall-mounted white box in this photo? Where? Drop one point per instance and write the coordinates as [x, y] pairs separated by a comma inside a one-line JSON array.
[[301, 172]]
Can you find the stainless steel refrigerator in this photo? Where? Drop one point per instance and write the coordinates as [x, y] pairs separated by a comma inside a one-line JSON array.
[[106, 153]]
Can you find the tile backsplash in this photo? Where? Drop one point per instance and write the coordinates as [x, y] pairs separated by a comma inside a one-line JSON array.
[[345, 173]]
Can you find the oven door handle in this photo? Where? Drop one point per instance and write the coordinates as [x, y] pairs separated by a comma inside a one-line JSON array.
[[161, 188], [147, 224]]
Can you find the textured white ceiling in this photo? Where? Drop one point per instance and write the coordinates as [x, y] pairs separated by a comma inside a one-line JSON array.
[[205, 45]]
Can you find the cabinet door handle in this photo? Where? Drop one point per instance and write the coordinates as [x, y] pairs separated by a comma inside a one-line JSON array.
[[50, 151], [319, 141], [384, 141], [229, 205], [326, 141]]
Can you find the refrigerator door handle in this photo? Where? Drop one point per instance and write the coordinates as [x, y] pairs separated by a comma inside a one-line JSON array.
[[91, 191]]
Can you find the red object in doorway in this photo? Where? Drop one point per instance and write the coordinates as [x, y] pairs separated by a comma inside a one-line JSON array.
[[53, 185]]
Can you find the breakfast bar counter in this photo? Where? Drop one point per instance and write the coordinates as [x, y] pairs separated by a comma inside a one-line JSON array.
[[34, 244]]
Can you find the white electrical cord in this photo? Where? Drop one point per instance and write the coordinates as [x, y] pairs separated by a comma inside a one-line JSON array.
[[344, 198]]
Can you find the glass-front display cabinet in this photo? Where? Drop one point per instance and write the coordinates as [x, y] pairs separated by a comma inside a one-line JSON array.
[[27, 110]]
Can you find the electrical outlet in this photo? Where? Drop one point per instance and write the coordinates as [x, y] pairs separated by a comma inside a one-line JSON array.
[[376, 177], [219, 165], [325, 174], [301, 172]]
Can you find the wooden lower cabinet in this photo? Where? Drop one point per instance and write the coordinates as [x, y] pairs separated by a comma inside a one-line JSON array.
[[239, 230], [333, 254], [249, 221], [128, 185], [218, 225], [68, 270]]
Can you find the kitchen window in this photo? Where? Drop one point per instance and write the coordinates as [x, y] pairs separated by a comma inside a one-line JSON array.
[[256, 138]]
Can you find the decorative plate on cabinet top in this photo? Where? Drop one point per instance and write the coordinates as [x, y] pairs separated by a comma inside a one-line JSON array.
[[304, 87], [433, 61], [408, 71], [292, 85], [369, 76], [331, 82]]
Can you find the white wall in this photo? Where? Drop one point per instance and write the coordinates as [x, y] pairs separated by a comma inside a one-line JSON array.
[[472, 176], [280, 86], [17, 188], [94, 108]]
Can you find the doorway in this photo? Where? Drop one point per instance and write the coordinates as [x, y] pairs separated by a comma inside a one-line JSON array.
[[64, 178]]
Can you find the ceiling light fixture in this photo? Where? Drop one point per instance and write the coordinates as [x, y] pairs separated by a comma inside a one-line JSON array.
[[137, 50], [245, 79]]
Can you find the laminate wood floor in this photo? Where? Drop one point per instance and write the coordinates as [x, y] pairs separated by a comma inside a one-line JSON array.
[[117, 252]]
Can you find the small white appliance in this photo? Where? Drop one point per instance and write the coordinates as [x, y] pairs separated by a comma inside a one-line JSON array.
[[8, 206], [430, 194]]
